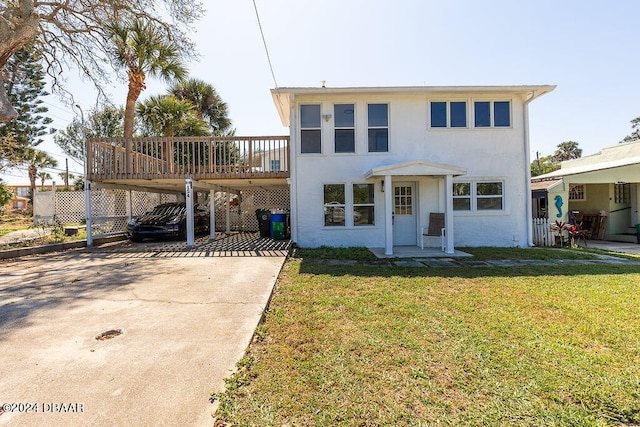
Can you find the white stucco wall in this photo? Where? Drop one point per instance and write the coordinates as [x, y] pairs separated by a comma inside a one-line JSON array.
[[486, 154]]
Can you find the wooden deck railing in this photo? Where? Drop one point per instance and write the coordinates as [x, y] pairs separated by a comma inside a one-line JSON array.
[[188, 157]]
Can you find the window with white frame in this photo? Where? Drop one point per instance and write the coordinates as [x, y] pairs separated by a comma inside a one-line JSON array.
[[378, 126], [475, 196], [492, 114], [345, 131], [334, 205], [23, 191], [448, 114], [577, 192], [310, 129], [363, 205], [275, 165]]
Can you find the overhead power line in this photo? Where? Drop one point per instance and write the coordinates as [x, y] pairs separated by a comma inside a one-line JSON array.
[[264, 42]]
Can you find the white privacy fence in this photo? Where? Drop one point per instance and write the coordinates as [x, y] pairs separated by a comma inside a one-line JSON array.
[[542, 234]]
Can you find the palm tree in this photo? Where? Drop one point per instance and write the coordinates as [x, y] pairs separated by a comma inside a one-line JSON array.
[[207, 102], [35, 160], [43, 177], [144, 50], [566, 151], [166, 115]]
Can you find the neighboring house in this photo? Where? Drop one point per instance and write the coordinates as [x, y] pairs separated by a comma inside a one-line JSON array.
[[369, 165], [360, 166], [601, 190], [22, 195]]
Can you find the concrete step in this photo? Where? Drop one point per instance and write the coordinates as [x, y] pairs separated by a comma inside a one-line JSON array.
[[624, 237]]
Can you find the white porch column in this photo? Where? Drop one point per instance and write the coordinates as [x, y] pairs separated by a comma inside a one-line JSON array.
[[228, 229], [188, 195], [388, 216], [448, 220], [212, 214]]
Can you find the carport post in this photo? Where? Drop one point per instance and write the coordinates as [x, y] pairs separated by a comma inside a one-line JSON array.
[[212, 214], [188, 195], [228, 230]]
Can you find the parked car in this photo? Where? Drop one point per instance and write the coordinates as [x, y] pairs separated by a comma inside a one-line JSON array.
[[167, 220]]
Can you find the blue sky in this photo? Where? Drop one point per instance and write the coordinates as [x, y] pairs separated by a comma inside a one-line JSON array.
[[587, 48]]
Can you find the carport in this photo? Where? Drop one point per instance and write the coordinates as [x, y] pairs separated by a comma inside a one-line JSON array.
[[228, 171]]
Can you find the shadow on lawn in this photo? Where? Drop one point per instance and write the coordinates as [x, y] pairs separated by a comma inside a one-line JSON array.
[[471, 270]]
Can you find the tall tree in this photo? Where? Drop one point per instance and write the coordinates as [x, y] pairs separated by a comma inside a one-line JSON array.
[[25, 86], [70, 33], [141, 48], [566, 151], [105, 123], [36, 160], [43, 177], [166, 115], [207, 102], [635, 135], [543, 165], [5, 196]]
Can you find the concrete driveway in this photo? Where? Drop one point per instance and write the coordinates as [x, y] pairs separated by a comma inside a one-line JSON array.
[[185, 321]]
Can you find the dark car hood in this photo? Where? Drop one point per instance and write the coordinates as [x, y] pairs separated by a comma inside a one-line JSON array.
[[157, 219]]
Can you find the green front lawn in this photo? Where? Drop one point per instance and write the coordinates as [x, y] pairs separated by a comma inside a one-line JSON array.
[[361, 345]]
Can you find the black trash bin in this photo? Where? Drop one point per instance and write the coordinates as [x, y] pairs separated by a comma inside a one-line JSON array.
[[264, 221]]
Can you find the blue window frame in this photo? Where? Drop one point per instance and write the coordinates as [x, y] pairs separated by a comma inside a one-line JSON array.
[[448, 114], [501, 114], [492, 114], [482, 114], [438, 114]]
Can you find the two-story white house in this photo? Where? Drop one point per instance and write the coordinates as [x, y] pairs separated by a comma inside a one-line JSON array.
[[368, 165]]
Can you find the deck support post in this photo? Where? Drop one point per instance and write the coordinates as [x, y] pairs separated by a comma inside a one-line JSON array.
[[188, 195], [228, 229], [212, 214]]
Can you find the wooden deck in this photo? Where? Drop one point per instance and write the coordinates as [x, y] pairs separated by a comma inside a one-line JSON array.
[[160, 158]]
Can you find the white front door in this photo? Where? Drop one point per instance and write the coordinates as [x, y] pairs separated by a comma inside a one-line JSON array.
[[404, 214]]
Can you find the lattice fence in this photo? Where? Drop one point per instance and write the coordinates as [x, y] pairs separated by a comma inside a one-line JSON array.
[[243, 207], [110, 209]]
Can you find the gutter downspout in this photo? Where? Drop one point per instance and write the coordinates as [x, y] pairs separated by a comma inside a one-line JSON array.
[[527, 161]]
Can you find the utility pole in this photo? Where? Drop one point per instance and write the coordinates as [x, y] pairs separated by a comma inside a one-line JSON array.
[[66, 175]]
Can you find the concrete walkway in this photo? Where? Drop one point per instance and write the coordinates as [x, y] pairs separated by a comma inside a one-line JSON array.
[[184, 322], [24, 235]]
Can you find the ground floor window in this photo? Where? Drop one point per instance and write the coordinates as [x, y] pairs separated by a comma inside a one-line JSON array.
[[476, 196], [334, 205], [363, 206], [360, 202]]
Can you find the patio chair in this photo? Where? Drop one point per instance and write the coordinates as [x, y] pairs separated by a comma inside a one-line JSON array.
[[436, 228]]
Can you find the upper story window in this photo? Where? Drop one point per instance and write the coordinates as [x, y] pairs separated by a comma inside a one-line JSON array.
[[492, 114], [445, 114], [344, 122], [23, 191], [310, 129], [378, 125]]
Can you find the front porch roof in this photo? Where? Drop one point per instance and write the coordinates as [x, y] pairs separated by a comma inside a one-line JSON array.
[[415, 168]]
